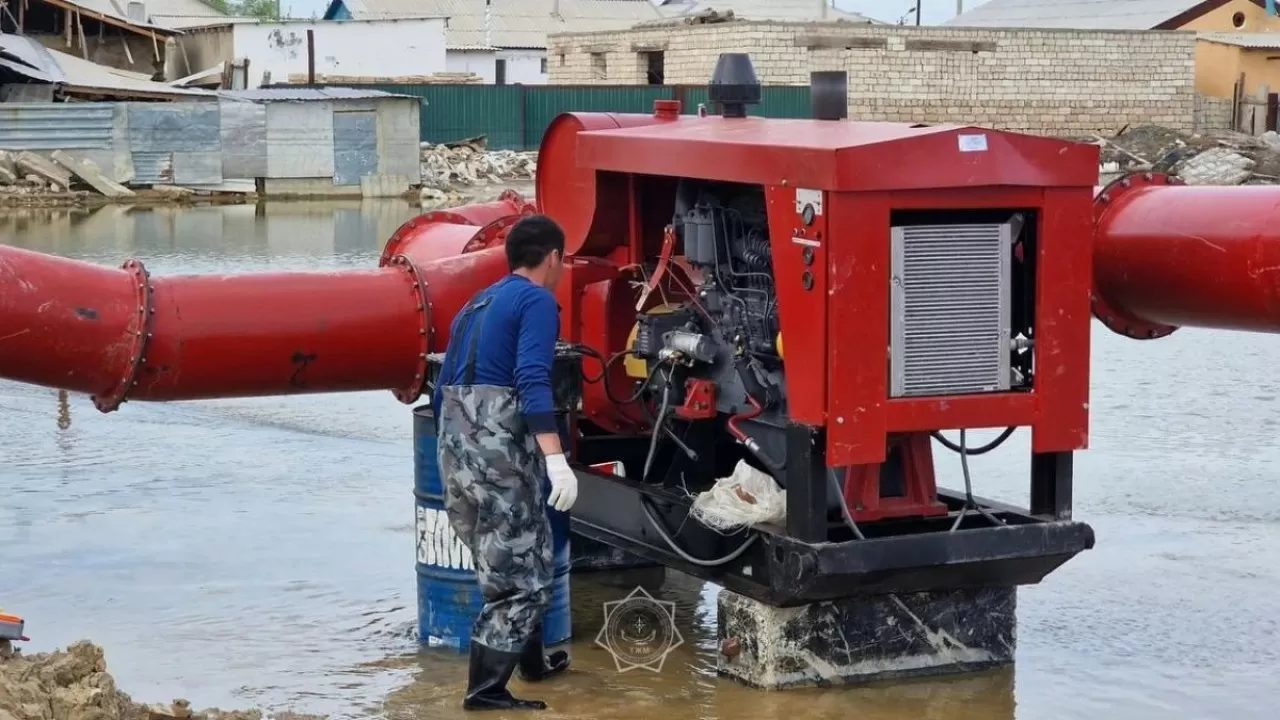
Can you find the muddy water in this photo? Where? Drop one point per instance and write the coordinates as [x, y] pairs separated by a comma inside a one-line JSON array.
[[260, 552]]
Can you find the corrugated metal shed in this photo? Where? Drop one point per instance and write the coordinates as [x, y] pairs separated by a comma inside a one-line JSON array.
[[174, 127], [1252, 41], [512, 23], [355, 146], [244, 139], [1075, 14], [176, 142], [300, 140], [56, 126], [304, 94], [153, 168]]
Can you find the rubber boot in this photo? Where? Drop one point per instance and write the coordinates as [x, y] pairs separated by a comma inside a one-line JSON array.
[[487, 684], [535, 664]]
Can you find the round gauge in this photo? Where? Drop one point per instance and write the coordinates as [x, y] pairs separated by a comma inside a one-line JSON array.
[[808, 214]]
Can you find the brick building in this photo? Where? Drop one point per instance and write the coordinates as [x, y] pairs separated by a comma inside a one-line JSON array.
[[1062, 82]]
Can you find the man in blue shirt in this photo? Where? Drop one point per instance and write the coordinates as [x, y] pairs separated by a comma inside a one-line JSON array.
[[497, 439]]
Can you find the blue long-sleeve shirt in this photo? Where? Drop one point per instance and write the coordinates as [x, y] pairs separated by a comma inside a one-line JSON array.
[[516, 349]]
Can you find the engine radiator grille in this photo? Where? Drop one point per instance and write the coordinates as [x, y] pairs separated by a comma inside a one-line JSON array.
[[949, 310]]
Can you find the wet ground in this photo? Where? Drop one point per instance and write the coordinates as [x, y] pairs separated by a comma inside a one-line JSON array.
[[260, 552]]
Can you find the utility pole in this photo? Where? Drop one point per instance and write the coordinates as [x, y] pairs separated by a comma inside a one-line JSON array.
[[959, 8], [918, 11]]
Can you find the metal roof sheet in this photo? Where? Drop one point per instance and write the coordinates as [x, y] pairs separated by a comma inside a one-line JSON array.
[[1075, 14], [779, 10], [306, 94], [24, 55], [1255, 40], [192, 22], [512, 23], [114, 13]]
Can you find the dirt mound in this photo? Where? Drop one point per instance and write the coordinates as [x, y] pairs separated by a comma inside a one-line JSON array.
[[73, 684]]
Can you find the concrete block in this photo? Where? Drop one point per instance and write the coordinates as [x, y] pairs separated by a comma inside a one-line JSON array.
[[861, 640], [91, 175], [32, 164], [1216, 166]]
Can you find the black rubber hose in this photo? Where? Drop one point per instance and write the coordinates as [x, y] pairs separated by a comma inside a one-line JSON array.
[[974, 451]]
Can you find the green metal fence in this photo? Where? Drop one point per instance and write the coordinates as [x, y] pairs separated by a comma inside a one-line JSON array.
[[514, 117]]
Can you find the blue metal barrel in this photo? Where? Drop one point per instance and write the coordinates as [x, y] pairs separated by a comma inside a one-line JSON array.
[[557, 623], [448, 596]]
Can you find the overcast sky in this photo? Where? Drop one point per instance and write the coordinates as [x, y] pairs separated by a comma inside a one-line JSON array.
[[934, 11]]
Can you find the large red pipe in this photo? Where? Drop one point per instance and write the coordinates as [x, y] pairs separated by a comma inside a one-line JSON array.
[[1169, 255], [117, 333]]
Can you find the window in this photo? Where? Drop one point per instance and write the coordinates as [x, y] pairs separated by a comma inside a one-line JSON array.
[[543, 67], [1237, 20], [599, 66], [652, 66], [500, 72]]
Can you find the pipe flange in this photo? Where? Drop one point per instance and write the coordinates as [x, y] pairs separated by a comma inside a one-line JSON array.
[[513, 197], [411, 393], [450, 216], [1107, 313], [392, 248], [491, 235], [143, 294]]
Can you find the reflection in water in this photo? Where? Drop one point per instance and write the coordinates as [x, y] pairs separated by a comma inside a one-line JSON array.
[[260, 551], [686, 686], [64, 410]]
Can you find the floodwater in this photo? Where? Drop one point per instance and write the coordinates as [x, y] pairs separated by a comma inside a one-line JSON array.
[[260, 552]]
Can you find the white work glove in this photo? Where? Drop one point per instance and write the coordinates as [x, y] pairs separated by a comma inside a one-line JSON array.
[[564, 484]]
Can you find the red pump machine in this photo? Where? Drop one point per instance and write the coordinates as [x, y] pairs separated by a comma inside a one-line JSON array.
[[820, 297]]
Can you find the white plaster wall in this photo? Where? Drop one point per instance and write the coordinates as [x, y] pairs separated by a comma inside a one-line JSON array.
[[352, 48], [524, 67], [480, 62]]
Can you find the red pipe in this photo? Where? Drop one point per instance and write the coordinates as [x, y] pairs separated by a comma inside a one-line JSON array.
[[1169, 255], [119, 334], [454, 231]]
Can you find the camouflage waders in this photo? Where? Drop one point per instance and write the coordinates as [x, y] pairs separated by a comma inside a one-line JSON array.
[[492, 472]]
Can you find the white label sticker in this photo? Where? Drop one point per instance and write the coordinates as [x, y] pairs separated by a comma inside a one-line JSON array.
[[972, 143], [809, 197], [437, 545]]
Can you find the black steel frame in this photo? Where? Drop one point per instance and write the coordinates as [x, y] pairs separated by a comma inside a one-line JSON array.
[[813, 559]]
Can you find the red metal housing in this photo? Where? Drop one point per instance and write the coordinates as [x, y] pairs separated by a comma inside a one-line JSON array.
[[835, 303]]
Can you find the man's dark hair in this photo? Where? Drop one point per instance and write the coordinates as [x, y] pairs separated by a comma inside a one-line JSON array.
[[532, 240]]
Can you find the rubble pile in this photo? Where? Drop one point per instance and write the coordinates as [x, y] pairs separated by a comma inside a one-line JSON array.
[[470, 162], [73, 684], [1211, 158], [26, 173]]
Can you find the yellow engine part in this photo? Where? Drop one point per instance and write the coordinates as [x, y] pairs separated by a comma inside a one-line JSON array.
[[636, 367], [778, 343]]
